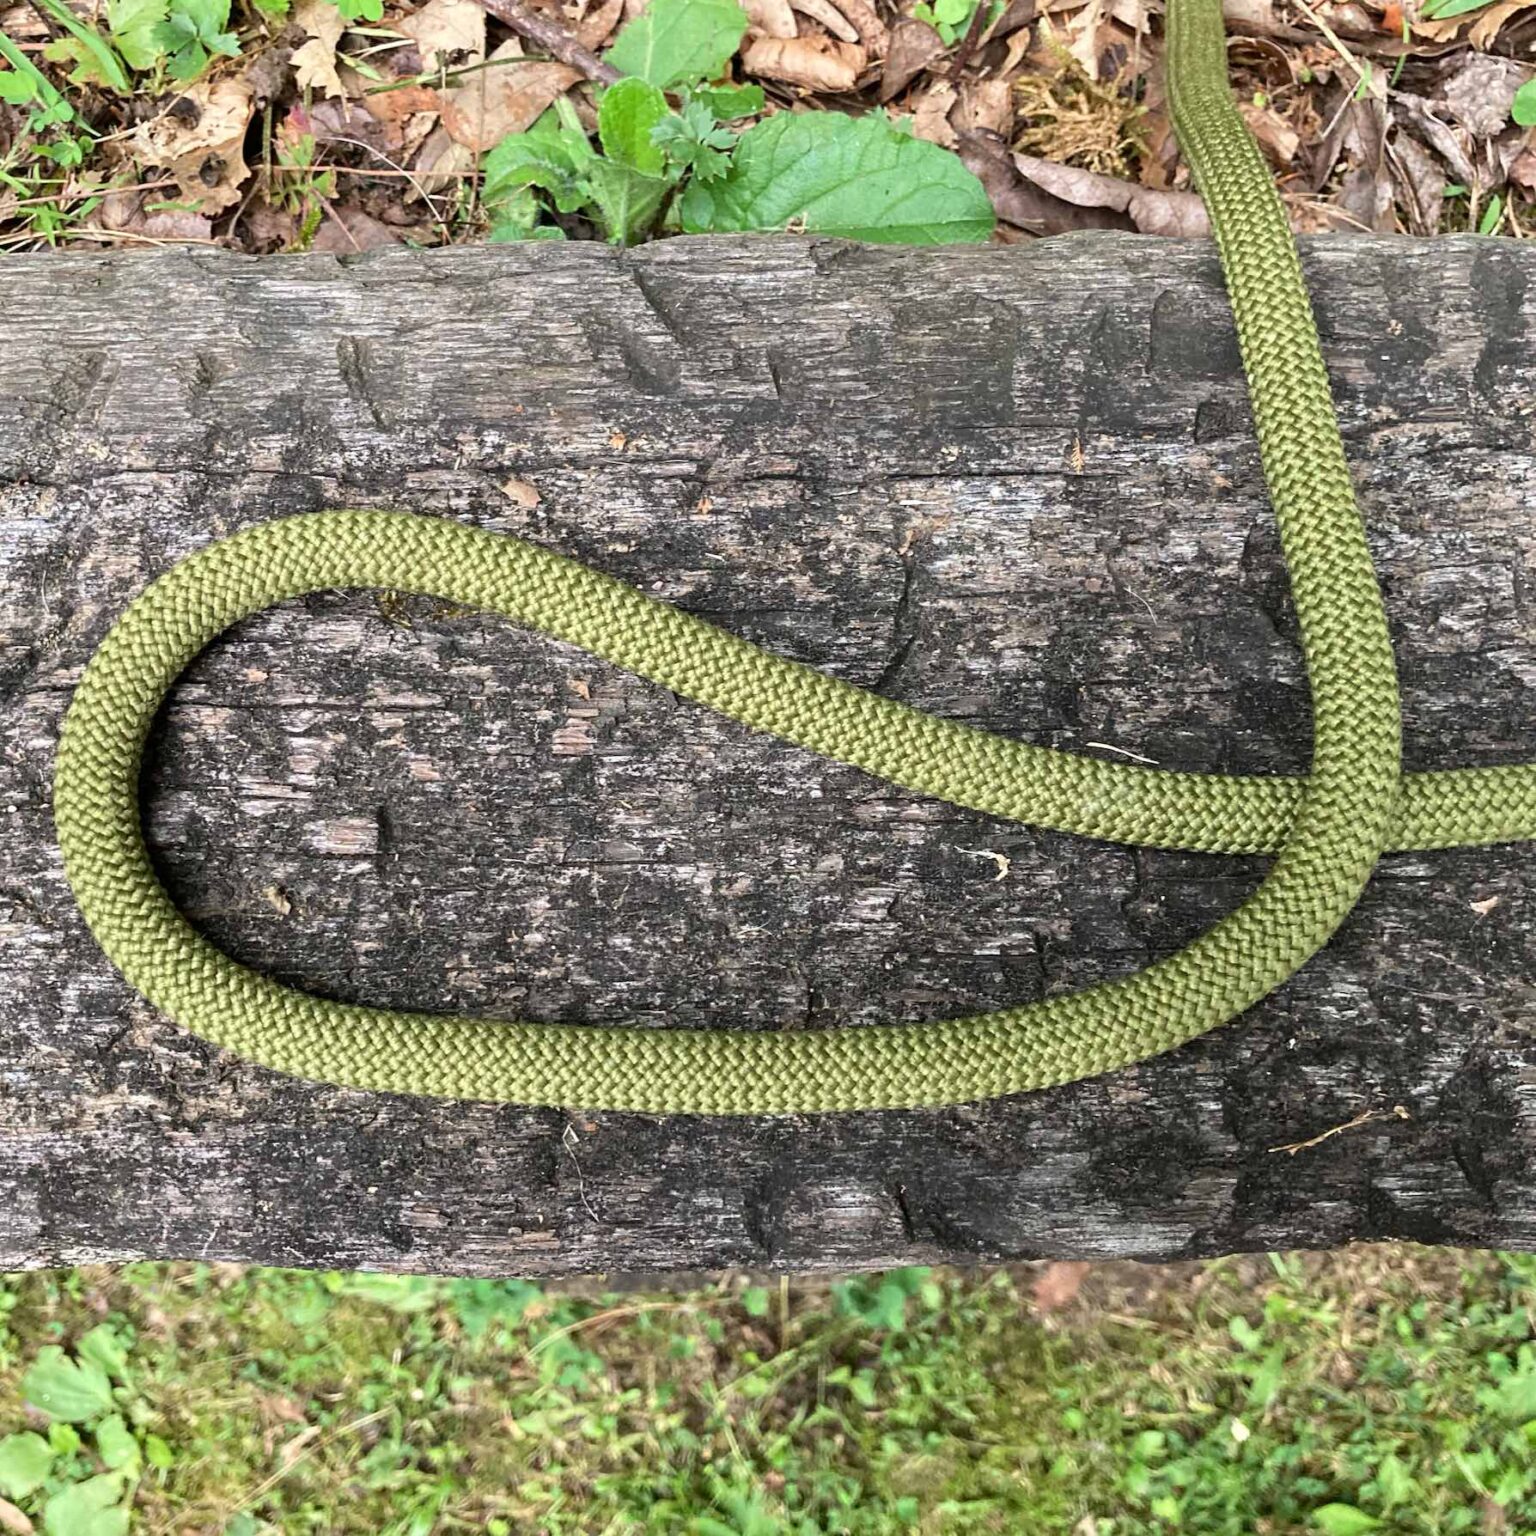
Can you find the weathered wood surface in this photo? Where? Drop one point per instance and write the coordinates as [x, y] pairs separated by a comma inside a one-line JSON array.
[[1015, 486]]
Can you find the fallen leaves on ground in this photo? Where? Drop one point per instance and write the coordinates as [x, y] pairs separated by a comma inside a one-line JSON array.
[[199, 138], [1371, 116]]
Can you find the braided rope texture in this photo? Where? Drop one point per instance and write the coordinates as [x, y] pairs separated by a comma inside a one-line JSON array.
[[1326, 830]]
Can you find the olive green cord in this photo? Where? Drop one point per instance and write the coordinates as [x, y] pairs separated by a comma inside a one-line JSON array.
[[1327, 830]]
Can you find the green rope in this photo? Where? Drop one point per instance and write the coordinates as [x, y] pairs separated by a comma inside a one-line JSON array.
[[1326, 831]]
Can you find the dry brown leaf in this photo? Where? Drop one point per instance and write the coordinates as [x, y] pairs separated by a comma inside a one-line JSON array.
[[1440, 137], [1279, 139], [1488, 24], [598, 24], [347, 122], [267, 228], [351, 230], [200, 140], [773, 18], [930, 115], [14, 1520], [1365, 199], [1057, 1284], [914, 45], [1135, 15], [828, 16], [1018, 200], [1082, 36], [446, 32], [866, 22], [438, 164], [1420, 180], [393, 106], [1523, 171], [314, 64], [136, 213], [507, 99], [816, 63], [1479, 94], [267, 70], [1150, 211], [1017, 14], [985, 104]]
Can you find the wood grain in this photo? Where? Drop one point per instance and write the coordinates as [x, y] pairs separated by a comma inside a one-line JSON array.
[[1014, 486]]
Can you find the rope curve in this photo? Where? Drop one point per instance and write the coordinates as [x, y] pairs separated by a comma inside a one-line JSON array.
[[1326, 830]]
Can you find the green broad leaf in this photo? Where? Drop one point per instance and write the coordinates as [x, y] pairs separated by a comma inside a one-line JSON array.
[[158, 1454], [361, 10], [679, 42], [1244, 1334], [1514, 1398], [1441, 10], [755, 1301], [1268, 1379], [551, 156], [50, 107], [16, 88], [1344, 1520], [519, 216], [91, 1508], [74, 1391], [104, 1346], [192, 30], [626, 117], [1492, 215], [627, 201], [64, 1438], [1523, 107], [728, 102], [115, 1444], [207, 17], [856, 178], [132, 24], [25, 1460]]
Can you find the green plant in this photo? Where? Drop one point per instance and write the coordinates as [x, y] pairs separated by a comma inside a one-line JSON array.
[[858, 178], [144, 36], [25, 85], [1443, 10], [658, 166], [94, 60], [191, 32], [1523, 107], [679, 42], [296, 185], [81, 1477], [952, 19]]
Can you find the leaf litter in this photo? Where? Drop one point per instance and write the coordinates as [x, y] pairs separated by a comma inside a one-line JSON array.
[[263, 125]]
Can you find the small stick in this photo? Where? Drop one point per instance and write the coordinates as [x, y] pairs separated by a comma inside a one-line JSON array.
[[1365, 1117], [553, 38]]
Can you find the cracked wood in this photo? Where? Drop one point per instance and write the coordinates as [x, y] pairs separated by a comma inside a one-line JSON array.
[[1014, 486]]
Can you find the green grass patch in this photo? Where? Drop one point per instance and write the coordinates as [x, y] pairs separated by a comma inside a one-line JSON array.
[[1388, 1390]]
